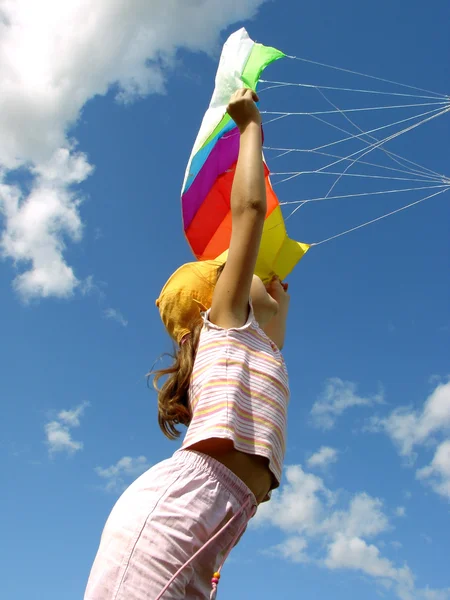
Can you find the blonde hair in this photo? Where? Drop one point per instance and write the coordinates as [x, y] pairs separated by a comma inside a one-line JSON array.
[[173, 395]]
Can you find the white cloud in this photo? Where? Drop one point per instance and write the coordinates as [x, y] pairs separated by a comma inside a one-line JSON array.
[[305, 505], [59, 439], [54, 57], [354, 553], [437, 473], [125, 468], [322, 458], [410, 428], [400, 511], [89, 287], [115, 315], [335, 537], [58, 434], [293, 549], [38, 222], [396, 544], [364, 517], [337, 397], [429, 594], [72, 417], [299, 505]]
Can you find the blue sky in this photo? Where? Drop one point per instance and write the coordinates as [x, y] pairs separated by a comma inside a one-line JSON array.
[[91, 167]]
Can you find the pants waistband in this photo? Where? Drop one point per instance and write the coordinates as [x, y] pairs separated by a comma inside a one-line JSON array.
[[213, 467]]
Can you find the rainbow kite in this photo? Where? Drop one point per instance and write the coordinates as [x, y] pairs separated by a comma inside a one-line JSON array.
[[210, 171]]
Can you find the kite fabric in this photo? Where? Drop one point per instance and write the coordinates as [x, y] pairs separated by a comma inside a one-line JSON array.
[[210, 172]]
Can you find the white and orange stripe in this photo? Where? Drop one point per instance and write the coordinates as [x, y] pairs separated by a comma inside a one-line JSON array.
[[239, 391]]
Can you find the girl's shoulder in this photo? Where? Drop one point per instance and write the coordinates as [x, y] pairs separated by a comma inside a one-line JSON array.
[[249, 334], [249, 324]]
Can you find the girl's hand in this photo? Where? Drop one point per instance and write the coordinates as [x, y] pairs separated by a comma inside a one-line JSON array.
[[243, 110], [279, 292]]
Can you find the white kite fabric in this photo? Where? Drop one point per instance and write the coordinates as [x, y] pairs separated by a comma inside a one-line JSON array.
[[357, 155]]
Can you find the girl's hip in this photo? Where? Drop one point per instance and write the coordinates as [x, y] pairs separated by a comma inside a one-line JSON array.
[[186, 505]]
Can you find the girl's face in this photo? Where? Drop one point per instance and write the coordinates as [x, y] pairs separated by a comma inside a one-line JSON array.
[[265, 307]]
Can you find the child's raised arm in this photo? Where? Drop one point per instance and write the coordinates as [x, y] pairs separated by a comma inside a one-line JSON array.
[[248, 210]]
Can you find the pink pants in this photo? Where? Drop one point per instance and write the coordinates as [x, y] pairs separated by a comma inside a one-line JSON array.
[[174, 526]]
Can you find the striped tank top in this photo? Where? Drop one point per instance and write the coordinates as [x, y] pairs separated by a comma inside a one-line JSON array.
[[239, 391]]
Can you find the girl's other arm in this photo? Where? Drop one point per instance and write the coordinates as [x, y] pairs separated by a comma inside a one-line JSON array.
[[276, 327]]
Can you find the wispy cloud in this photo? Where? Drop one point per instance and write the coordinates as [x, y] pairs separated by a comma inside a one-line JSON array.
[[355, 553], [58, 431], [437, 473], [322, 458], [408, 427], [51, 65], [337, 397], [90, 287], [94, 288], [293, 549], [429, 426], [115, 476], [72, 417], [115, 315], [319, 528], [400, 511]]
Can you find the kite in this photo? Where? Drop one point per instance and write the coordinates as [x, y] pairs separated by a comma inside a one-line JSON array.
[[210, 172]]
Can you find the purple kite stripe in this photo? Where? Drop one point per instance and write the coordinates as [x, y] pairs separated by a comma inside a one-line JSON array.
[[220, 159]]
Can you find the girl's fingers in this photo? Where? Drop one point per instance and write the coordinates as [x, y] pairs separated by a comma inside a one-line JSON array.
[[248, 92]]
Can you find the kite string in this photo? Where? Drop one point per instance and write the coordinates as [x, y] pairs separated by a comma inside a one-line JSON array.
[[412, 87], [346, 110], [377, 193], [360, 175], [354, 136], [370, 147], [275, 119], [367, 141], [435, 177], [342, 112], [353, 124], [333, 237], [371, 137], [378, 144], [279, 84], [432, 173]]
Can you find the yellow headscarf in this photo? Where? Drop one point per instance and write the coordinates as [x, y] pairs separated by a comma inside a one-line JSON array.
[[187, 293]]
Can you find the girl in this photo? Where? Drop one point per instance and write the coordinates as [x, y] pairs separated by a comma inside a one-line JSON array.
[[171, 531]]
